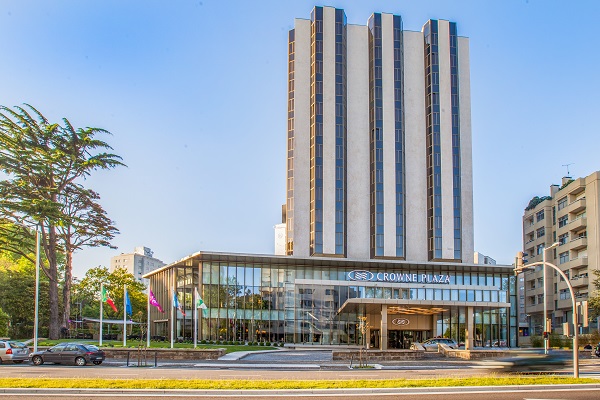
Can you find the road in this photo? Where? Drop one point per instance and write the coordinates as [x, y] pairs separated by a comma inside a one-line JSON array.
[[566, 393], [296, 365]]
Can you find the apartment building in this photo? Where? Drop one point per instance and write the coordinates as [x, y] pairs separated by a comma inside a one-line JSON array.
[[569, 216]]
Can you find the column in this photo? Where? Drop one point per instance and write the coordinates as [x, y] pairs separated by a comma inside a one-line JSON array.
[[383, 343], [434, 330], [470, 332]]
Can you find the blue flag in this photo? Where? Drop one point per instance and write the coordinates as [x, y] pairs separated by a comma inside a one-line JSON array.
[[176, 303], [128, 308]]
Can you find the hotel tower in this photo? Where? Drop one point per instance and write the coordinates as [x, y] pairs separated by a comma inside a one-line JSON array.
[[379, 140]]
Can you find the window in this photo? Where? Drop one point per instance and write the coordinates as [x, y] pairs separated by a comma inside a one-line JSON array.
[[562, 221], [539, 216], [539, 249], [541, 232], [562, 203], [564, 238], [563, 257]]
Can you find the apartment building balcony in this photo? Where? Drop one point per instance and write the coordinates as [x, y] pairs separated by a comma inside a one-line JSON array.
[[578, 262], [578, 243], [564, 304], [577, 224], [577, 281], [537, 308], [576, 206]]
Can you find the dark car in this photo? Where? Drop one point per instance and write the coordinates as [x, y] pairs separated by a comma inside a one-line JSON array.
[[69, 353], [528, 361]]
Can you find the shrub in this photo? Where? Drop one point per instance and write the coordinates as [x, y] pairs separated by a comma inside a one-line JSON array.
[[537, 341], [268, 344]]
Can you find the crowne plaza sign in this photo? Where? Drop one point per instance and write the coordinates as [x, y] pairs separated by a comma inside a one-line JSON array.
[[398, 277]]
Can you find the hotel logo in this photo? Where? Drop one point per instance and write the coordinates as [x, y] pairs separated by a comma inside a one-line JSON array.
[[361, 275]]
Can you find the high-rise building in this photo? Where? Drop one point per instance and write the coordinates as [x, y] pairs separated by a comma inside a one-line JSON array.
[[569, 216], [379, 140], [138, 263], [378, 226]]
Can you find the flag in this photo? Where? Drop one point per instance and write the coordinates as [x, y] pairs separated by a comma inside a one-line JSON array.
[[176, 303], [199, 301], [128, 308], [154, 302], [108, 300]]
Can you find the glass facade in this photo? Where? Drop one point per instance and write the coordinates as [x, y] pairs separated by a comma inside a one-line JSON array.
[[293, 300]]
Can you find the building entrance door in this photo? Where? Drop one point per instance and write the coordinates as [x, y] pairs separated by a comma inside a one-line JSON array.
[[374, 339], [403, 339]]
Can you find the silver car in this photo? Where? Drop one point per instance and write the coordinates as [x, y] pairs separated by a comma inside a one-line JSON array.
[[16, 352], [432, 344]]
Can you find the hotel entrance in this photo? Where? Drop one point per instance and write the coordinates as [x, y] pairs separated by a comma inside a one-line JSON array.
[[403, 339]]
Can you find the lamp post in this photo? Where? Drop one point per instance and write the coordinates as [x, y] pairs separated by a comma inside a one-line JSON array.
[[519, 267], [37, 283], [37, 289], [546, 328]]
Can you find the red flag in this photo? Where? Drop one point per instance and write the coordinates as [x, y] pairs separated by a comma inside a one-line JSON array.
[[108, 300]]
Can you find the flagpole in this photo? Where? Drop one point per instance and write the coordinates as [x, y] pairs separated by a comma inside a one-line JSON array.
[[148, 321], [101, 311], [124, 315], [172, 313], [195, 317]]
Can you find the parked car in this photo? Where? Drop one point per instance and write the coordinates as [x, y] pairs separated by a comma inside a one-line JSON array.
[[16, 352], [432, 344], [69, 353]]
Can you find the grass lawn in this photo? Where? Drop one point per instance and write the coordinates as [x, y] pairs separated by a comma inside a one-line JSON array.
[[284, 384]]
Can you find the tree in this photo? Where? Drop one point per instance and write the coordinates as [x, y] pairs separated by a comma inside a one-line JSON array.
[[594, 301], [4, 322], [17, 285], [88, 291], [42, 162], [89, 226]]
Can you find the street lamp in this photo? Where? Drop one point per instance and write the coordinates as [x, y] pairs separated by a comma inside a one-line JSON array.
[[37, 289], [519, 267], [546, 327], [37, 283]]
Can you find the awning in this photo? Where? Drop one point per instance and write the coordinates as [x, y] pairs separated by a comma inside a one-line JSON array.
[[405, 306]]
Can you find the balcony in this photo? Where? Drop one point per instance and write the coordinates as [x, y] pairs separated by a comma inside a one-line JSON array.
[[579, 281], [578, 262], [578, 243], [577, 224], [565, 304], [576, 206], [537, 308]]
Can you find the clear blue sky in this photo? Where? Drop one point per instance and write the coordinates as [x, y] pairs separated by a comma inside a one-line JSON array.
[[194, 93]]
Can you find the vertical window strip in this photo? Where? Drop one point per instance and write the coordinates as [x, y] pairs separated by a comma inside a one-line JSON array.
[[290, 143], [434, 181], [456, 160], [316, 133], [376, 135], [399, 137], [340, 132]]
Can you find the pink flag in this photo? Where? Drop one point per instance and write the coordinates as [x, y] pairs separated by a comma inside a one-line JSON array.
[[154, 302]]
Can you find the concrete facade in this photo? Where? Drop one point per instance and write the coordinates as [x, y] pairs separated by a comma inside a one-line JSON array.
[[363, 192], [138, 263], [571, 217]]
